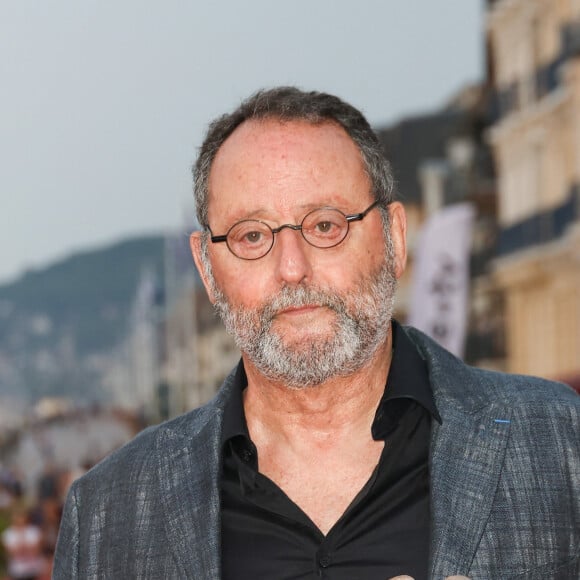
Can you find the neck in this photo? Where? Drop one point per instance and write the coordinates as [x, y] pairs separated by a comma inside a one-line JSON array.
[[340, 407]]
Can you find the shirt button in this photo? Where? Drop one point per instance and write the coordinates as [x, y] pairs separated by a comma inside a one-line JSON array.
[[324, 561]]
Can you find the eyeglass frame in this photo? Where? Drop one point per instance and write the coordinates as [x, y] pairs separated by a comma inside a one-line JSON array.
[[296, 227]]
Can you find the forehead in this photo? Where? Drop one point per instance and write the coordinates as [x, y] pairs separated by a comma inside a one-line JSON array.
[[274, 165]]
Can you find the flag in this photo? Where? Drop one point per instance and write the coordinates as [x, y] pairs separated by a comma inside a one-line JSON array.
[[440, 284]]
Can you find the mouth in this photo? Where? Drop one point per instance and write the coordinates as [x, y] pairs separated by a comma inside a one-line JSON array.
[[298, 310]]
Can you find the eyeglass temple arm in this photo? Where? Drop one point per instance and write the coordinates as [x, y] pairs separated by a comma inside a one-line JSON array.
[[216, 239], [359, 216]]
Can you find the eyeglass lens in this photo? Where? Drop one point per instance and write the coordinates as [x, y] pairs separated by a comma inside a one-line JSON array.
[[322, 228]]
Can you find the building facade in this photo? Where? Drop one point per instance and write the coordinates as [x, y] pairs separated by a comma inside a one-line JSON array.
[[534, 70]]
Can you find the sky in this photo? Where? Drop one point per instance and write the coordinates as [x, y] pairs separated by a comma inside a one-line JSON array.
[[104, 103]]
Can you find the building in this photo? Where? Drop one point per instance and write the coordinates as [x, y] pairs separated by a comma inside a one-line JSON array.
[[199, 353], [440, 159], [534, 69]]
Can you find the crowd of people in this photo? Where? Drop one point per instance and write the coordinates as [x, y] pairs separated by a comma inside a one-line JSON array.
[[29, 522]]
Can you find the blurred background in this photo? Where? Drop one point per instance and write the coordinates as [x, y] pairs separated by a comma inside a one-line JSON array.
[[104, 326]]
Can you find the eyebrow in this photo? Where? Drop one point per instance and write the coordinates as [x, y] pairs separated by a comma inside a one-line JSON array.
[[259, 214]]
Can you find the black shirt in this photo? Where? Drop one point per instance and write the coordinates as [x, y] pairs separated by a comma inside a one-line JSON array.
[[384, 532]]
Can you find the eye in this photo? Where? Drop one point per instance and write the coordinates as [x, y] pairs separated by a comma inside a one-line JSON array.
[[252, 237], [249, 233], [324, 227]]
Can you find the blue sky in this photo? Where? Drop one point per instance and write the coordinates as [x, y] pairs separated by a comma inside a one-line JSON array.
[[104, 102]]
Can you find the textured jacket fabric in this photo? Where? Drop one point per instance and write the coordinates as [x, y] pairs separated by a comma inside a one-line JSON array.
[[505, 485]]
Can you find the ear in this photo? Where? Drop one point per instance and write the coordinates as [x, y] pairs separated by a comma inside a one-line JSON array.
[[398, 229], [195, 245]]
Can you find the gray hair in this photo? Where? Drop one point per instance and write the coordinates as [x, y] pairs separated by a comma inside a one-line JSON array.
[[292, 104]]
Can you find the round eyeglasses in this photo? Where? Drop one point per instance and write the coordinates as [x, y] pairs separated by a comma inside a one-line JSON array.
[[325, 227]]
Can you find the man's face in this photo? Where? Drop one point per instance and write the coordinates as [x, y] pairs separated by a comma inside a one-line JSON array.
[[301, 314]]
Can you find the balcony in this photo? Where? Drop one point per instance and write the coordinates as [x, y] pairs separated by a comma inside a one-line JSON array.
[[570, 36], [545, 79], [506, 101], [520, 94], [540, 228]]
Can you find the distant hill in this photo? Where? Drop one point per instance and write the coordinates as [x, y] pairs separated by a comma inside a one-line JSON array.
[[56, 322]]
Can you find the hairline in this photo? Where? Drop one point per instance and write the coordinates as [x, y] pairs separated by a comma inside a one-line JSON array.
[[315, 109]]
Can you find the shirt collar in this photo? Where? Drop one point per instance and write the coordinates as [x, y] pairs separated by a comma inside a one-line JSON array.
[[408, 380], [234, 417]]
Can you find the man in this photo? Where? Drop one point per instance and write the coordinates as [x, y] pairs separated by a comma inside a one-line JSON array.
[[344, 446]]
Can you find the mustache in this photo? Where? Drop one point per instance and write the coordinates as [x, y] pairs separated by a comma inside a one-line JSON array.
[[297, 297]]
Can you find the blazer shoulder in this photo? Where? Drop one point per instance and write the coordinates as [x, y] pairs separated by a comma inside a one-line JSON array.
[[530, 388], [536, 401], [133, 458], [470, 387]]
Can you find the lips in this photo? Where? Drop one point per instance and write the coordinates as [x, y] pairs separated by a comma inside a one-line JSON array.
[[299, 301], [300, 309]]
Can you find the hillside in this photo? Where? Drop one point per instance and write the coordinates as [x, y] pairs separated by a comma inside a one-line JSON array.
[[57, 323]]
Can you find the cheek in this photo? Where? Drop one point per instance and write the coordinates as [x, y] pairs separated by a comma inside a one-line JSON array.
[[243, 284], [250, 284], [367, 262]]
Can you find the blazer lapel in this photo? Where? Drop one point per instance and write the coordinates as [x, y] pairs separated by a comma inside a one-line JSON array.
[[467, 453], [188, 476]]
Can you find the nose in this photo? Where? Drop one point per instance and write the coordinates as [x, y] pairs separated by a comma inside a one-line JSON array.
[[291, 252]]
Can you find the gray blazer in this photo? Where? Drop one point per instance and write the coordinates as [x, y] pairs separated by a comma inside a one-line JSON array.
[[505, 484]]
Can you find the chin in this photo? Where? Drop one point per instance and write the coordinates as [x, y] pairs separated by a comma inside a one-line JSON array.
[[304, 339]]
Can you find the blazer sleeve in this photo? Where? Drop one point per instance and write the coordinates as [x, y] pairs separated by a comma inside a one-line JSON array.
[[65, 566]]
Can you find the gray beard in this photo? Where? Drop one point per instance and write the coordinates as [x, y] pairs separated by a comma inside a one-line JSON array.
[[361, 325]]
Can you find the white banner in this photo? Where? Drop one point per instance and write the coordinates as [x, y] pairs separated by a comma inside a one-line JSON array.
[[440, 284]]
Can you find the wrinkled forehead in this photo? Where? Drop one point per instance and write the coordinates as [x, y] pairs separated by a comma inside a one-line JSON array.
[[280, 157], [271, 132], [280, 165]]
